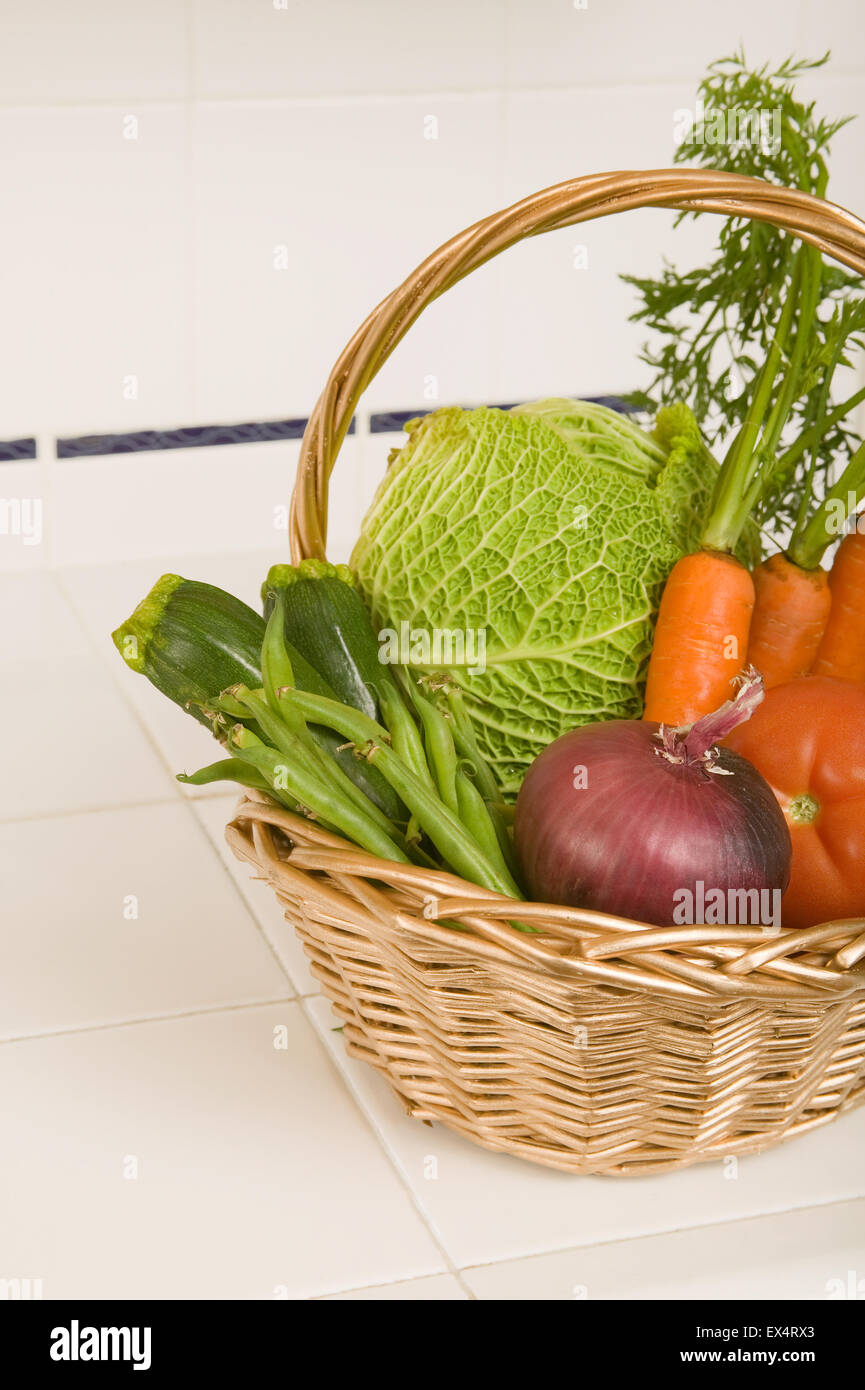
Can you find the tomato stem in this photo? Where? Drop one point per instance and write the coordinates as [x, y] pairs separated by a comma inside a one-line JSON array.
[[804, 809]]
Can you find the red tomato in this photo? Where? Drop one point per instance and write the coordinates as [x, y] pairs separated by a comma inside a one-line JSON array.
[[808, 740]]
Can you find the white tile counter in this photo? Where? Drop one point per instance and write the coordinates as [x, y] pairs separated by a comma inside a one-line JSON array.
[[180, 1119]]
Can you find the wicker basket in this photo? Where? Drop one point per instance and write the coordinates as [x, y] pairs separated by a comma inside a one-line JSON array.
[[598, 1045]]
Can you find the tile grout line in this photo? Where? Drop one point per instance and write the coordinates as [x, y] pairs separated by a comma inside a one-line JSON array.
[[425, 1218], [660, 1235], [668, 1231], [92, 810], [370, 1288], [341, 97], [208, 1009]]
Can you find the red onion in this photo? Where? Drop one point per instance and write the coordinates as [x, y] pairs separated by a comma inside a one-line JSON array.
[[655, 824]]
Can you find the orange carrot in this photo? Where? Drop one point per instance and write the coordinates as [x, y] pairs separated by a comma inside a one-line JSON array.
[[790, 615], [842, 650], [701, 637]]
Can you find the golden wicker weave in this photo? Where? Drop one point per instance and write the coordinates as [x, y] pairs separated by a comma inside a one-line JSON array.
[[598, 1044]]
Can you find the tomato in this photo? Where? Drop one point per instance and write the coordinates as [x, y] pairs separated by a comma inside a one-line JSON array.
[[808, 740]]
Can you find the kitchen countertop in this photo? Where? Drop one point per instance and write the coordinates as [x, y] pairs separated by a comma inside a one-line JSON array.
[[180, 1119]]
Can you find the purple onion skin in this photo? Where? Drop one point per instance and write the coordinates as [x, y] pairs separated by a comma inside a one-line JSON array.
[[643, 828]]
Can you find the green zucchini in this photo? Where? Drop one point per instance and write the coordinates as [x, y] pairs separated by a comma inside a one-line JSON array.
[[193, 640], [327, 622]]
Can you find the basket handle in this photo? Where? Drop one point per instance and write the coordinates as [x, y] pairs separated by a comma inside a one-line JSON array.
[[832, 229]]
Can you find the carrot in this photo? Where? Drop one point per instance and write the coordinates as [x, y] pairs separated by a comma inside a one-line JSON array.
[[842, 650], [701, 637], [791, 610]]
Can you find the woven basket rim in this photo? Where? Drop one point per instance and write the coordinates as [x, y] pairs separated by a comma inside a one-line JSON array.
[[823, 962]]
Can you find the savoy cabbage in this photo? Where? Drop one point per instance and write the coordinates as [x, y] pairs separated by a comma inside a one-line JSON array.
[[550, 529]]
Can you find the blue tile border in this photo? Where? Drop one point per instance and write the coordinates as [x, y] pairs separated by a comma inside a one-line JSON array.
[[11, 450], [391, 421], [249, 432], [191, 437]]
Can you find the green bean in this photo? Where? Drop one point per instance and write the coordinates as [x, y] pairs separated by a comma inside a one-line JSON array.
[[294, 740], [440, 752], [466, 743], [311, 791], [226, 770], [476, 818], [448, 834], [276, 668], [405, 735]]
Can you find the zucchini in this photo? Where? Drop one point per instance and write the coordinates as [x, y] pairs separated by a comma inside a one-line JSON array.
[[326, 620], [193, 640]]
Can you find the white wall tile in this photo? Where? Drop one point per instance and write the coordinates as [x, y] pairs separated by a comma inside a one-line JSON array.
[[552, 136], [154, 258], [93, 272], [795, 1255], [256, 1175], [104, 595], [281, 48], [594, 42], [26, 518], [96, 50], [838, 96], [562, 309], [349, 198], [836, 25], [116, 507], [121, 915]]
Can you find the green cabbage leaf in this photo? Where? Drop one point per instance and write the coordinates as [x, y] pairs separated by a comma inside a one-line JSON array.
[[550, 529]]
